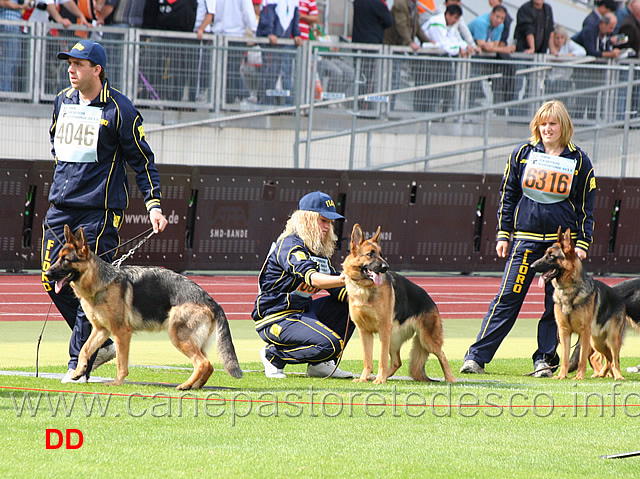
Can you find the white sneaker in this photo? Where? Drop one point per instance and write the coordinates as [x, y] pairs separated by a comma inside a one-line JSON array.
[[270, 370], [326, 369], [67, 378], [104, 355]]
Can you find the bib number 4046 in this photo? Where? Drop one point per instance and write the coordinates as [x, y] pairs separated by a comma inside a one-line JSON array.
[[80, 134]]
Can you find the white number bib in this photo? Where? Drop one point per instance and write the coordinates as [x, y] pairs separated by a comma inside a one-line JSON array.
[[76, 138], [323, 267], [547, 179]]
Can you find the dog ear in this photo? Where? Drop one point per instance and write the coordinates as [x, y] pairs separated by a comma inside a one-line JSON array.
[[68, 235], [567, 243], [356, 238], [376, 236], [81, 243], [560, 234]]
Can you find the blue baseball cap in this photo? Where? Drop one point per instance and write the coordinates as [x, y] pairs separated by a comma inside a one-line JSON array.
[[86, 50], [320, 203]]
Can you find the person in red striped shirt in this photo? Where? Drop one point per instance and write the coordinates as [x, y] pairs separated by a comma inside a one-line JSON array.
[[308, 17]]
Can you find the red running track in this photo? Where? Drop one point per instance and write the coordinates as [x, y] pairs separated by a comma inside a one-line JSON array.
[[22, 297]]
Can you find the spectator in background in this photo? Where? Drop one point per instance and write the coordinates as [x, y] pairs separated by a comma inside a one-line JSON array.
[[487, 30], [460, 28], [426, 8], [278, 19], [309, 16], [602, 7], [370, 19], [507, 21], [205, 12], [337, 75], [631, 28], [621, 13], [561, 45], [122, 13], [405, 29], [235, 18], [559, 80], [84, 12], [174, 66], [534, 24], [103, 10], [46, 10], [440, 29], [204, 17], [596, 39], [10, 45]]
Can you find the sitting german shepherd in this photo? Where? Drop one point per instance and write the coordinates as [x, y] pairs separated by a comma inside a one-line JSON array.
[[584, 306], [119, 301], [391, 305]]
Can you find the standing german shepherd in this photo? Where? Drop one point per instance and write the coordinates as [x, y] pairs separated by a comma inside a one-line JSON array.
[[584, 306], [119, 301], [391, 305]]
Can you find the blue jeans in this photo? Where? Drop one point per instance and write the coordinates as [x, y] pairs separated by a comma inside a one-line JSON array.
[[11, 47]]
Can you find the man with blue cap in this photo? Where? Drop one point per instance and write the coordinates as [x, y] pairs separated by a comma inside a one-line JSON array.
[[96, 131], [296, 327]]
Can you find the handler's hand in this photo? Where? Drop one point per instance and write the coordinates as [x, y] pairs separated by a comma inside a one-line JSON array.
[[158, 220], [582, 254], [502, 248]]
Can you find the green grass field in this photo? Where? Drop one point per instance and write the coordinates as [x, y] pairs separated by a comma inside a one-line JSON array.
[[502, 424]]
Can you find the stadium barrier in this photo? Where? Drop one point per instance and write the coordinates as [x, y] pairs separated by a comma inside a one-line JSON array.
[[225, 218]]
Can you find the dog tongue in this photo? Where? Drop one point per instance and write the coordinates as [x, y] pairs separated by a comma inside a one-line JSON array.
[[541, 282], [59, 285], [377, 279]]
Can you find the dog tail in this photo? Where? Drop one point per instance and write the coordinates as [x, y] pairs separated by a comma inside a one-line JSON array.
[[632, 321], [226, 350]]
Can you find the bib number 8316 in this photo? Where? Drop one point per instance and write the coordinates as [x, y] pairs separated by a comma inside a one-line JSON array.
[[546, 180]]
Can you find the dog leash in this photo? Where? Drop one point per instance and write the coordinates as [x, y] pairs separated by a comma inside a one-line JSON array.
[[150, 229], [339, 358], [130, 253], [46, 318]]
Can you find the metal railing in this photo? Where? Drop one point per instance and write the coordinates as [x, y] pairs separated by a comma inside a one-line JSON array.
[[220, 101]]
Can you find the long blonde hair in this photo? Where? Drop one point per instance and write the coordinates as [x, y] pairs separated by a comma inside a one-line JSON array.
[[552, 109], [305, 225]]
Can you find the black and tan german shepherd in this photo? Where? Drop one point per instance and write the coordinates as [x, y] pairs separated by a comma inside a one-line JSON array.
[[584, 306], [629, 291], [389, 304], [119, 301]]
